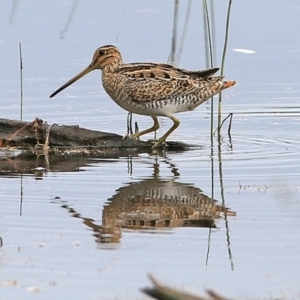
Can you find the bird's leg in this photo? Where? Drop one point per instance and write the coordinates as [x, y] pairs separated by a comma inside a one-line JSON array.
[[129, 123], [151, 129], [163, 138]]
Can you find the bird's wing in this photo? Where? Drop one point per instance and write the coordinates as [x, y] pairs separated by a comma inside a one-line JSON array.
[[150, 82]]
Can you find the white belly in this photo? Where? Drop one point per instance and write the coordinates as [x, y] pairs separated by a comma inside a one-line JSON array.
[[161, 109]]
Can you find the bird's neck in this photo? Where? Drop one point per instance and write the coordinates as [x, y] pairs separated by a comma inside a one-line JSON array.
[[113, 63]]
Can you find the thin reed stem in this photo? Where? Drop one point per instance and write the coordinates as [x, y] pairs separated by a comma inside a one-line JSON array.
[[208, 29], [185, 27], [207, 32], [174, 37], [210, 48], [69, 20], [21, 81], [223, 60], [226, 37]]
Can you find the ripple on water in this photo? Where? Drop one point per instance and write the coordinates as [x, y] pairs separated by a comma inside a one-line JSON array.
[[262, 156]]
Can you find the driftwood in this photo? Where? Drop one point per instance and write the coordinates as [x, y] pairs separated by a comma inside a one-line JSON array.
[[39, 134]]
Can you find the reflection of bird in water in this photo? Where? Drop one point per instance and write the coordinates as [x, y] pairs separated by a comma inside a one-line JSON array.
[[161, 203], [102, 234], [152, 89], [151, 203]]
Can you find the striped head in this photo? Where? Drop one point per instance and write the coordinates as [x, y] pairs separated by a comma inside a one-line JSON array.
[[105, 58]]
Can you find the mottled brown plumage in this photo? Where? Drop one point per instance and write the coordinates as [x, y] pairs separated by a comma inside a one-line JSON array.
[[152, 89]]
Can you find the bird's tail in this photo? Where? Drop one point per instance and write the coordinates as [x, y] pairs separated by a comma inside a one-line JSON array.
[[228, 84]]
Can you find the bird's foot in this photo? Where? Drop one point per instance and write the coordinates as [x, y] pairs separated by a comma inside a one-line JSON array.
[[131, 136], [153, 141], [159, 143]]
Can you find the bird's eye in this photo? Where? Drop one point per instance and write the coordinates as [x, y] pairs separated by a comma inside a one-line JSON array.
[[101, 52]]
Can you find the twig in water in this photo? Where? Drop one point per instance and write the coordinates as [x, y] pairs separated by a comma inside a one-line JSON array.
[[36, 123], [48, 130], [46, 144], [229, 126]]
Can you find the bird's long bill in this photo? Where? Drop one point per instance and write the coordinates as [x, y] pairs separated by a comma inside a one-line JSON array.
[[72, 80]]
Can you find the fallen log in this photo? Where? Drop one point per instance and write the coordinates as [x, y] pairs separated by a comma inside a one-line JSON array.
[[38, 134], [16, 133]]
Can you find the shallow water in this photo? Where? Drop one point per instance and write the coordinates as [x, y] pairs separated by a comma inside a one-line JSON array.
[[49, 220]]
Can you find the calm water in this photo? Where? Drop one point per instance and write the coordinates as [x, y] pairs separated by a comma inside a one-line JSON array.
[[49, 247]]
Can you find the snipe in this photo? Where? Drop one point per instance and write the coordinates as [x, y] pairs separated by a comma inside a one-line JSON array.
[[152, 89]]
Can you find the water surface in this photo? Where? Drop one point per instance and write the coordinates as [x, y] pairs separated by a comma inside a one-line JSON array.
[[49, 220]]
